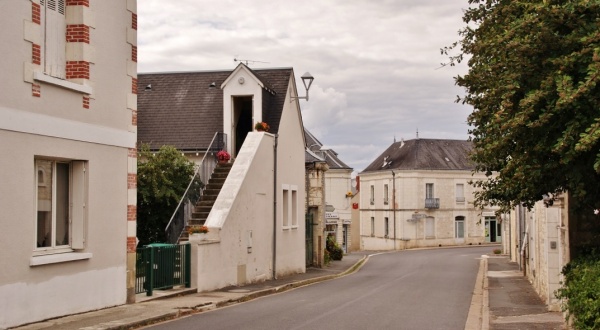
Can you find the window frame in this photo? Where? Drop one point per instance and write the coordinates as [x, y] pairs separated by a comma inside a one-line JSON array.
[[429, 191], [385, 194], [372, 200], [460, 193], [75, 205]]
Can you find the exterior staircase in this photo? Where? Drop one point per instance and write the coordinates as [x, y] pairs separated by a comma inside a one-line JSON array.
[[206, 202]]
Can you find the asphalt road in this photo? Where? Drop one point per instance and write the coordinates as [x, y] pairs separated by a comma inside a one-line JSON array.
[[417, 289]]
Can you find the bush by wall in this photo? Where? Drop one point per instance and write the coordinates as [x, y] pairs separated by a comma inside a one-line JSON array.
[[335, 251], [580, 293]]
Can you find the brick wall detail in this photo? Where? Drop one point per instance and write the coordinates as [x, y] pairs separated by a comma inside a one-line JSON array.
[[134, 21], [131, 244], [78, 33], [86, 102], [78, 70], [36, 54], [78, 3], [36, 16], [36, 90], [134, 53]]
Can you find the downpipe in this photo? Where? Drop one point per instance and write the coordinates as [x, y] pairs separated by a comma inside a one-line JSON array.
[[275, 141]]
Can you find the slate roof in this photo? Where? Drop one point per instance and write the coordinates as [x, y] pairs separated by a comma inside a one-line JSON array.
[[180, 108], [425, 154], [314, 153]]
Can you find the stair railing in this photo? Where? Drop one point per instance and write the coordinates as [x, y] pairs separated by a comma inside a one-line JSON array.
[[193, 192]]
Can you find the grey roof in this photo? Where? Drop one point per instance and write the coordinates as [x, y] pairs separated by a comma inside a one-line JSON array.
[[314, 152], [180, 108], [425, 154]]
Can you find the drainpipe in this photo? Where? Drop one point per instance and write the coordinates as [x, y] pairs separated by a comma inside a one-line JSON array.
[[394, 204], [275, 207]]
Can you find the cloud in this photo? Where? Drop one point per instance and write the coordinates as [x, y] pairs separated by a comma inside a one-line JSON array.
[[376, 63]]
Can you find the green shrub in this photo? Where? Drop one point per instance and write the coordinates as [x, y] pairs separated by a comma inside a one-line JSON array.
[[580, 292], [497, 251], [327, 258], [335, 251]]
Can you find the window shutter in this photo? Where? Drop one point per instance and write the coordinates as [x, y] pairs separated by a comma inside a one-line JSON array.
[[55, 38], [78, 205]]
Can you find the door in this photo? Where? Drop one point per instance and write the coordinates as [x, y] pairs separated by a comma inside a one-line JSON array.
[[242, 121]]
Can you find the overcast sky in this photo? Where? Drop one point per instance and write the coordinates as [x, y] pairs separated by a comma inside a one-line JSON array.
[[376, 63]]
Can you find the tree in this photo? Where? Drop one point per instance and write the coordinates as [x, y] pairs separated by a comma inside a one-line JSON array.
[[162, 179], [533, 83]]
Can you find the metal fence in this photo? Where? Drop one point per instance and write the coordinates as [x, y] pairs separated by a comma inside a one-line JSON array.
[[162, 266]]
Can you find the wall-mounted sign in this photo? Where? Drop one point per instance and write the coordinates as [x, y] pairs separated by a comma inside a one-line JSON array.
[[331, 215]]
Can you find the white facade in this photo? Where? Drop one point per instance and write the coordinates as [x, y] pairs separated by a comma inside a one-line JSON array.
[[539, 242], [256, 225], [68, 145], [393, 212], [338, 193]]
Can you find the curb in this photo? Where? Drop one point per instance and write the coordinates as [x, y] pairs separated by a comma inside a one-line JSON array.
[[250, 296], [478, 317]]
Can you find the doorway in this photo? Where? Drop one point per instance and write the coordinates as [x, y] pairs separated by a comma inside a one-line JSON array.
[[493, 230], [242, 121]]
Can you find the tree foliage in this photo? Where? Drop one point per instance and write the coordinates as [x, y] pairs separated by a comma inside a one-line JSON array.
[[162, 179], [533, 83]]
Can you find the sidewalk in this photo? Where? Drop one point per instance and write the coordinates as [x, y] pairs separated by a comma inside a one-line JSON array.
[[503, 299], [165, 305], [512, 301]]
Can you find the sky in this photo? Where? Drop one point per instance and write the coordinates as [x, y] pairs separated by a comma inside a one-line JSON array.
[[376, 63]]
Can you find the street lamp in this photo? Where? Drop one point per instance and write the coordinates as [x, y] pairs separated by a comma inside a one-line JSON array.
[[307, 80]]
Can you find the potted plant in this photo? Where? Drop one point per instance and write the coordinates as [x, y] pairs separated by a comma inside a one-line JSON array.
[[223, 157], [197, 230], [262, 127]]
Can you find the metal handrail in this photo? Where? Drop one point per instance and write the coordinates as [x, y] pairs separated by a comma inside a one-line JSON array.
[[202, 166]]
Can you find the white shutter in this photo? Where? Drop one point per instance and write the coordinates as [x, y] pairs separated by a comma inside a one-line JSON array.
[[78, 205], [55, 27]]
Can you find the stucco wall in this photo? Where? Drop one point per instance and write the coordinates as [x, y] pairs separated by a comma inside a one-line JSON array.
[[55, 124], [239, 249], [410, 204]]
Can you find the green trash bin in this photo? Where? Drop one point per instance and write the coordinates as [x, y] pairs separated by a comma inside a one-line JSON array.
[[164, 264]]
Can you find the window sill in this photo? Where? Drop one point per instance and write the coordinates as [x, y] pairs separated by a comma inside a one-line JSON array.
[[58, 258], [40, 76]]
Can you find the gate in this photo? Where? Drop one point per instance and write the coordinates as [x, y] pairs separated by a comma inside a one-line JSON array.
[[162, 266], [309, 239]]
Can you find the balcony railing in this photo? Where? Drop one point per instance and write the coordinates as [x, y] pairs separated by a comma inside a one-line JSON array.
[[432, 203]]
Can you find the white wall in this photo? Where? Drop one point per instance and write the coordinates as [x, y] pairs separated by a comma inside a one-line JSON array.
[[410, 199], [56, 125]]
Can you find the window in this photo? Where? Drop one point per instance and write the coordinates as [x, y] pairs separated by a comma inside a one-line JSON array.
[[60, 204], [385, 194], [289, 206], [430, 227], [372, 226], [429, 190], [459, 227], [460, 193], [372, 195], [54, 30], [286, 215], [386, 226]]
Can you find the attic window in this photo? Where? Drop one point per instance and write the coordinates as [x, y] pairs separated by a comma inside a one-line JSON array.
[[446, 158], [148, 87]]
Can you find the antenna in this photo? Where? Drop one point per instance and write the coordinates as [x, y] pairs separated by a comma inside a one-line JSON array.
[[417, 132], [235, 59]]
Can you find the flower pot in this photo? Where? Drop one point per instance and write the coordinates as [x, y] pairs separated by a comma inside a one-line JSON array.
[[223, 161], [199, 236]]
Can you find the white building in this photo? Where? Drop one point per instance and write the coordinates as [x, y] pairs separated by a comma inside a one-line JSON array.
[[67, 136], [417, 194], [257, 229]]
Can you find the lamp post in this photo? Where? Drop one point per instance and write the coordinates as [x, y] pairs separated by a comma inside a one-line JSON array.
[[307, 80]]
